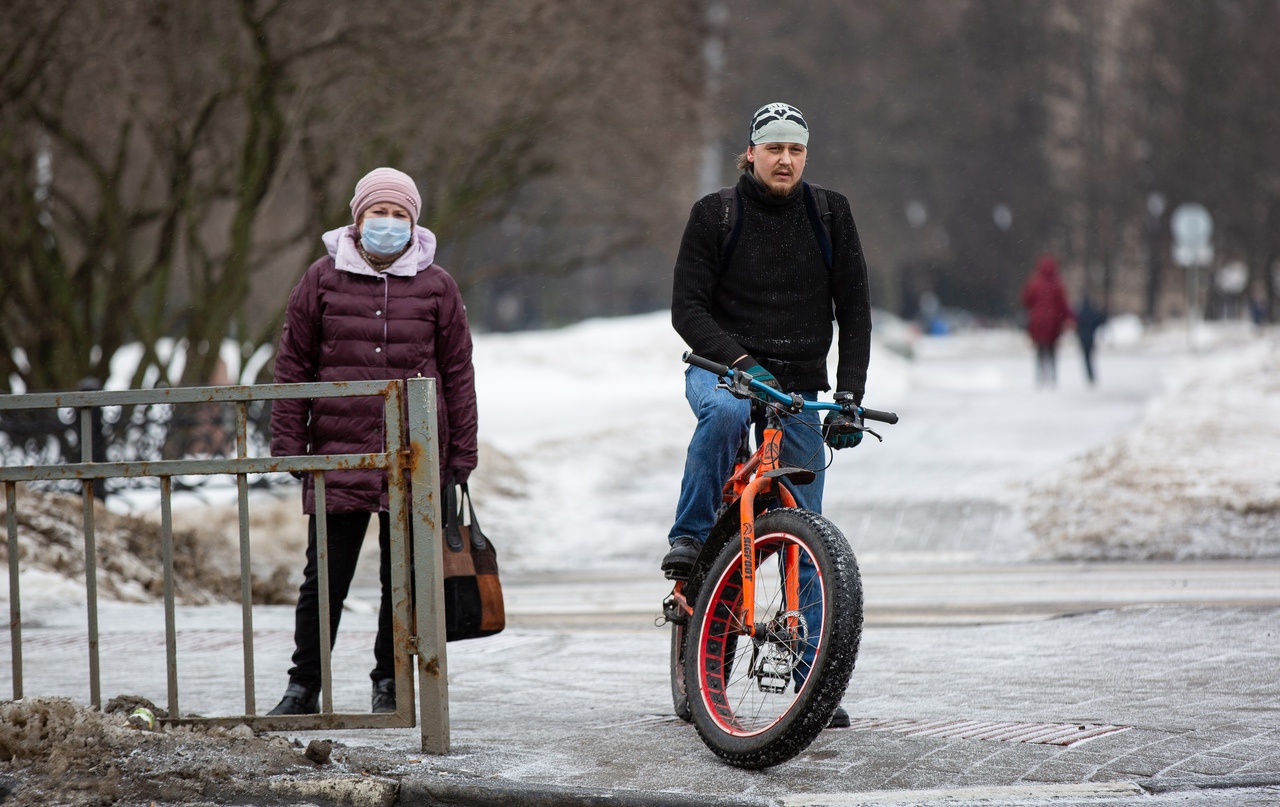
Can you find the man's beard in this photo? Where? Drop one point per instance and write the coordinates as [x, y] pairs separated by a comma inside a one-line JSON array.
[[782, 191]]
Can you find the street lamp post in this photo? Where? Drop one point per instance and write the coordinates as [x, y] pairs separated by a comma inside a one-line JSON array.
[[1155, 209], [1192, 249]]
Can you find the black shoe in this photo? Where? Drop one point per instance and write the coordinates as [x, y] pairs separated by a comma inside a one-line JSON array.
[[679, 560], [384, 696], [298, 700], [839, 719]]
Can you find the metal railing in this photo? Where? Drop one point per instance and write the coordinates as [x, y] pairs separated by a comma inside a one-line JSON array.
[[411, 461], [132, 433]]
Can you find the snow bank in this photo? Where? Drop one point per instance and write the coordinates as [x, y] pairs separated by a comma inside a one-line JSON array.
[[206, 556], [1196, 479]]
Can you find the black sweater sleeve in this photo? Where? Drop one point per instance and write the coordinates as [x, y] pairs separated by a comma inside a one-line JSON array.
[[697, 272], [850, 294]]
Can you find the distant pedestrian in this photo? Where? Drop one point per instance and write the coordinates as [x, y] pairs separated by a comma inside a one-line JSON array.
[[1048, 313], [1089, 318]]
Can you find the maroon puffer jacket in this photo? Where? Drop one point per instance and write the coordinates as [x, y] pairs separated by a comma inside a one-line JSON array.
[[344, 326], [1045, 299]]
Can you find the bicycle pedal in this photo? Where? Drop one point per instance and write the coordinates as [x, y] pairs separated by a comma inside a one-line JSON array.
[[673, 613], [772, 683], [772, 675]]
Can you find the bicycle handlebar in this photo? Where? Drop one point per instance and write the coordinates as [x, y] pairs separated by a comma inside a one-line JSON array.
[[761, 390]]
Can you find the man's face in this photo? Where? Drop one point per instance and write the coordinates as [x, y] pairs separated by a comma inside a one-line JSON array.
[[778, 165]]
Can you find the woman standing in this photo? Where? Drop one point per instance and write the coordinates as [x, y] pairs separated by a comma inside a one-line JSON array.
[[1048, 312], [375, 308]]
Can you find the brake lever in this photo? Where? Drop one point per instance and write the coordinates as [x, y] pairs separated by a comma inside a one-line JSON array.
[[855, 412], [734, 390], [739, 386]]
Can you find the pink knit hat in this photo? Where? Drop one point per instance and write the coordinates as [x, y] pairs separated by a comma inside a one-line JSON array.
[[386, 185]]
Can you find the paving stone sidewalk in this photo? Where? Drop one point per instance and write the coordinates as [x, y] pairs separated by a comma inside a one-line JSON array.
[[1188, 695]]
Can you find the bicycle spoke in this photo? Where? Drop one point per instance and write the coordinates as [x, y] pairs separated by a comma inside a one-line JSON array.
[[759, 679]]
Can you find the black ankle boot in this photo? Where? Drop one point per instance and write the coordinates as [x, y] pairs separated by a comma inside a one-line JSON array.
[[384, 696], [839, 720], [298, 700], [679, 561]]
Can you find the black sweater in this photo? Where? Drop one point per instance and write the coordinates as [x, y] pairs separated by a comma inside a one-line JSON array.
[[776, 298]]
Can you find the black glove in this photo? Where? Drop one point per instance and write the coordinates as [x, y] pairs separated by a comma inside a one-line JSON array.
[[456, 476], [842, 429], [752, 368]]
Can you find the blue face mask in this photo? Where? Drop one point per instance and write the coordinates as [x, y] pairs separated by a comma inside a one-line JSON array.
[[385, 236]]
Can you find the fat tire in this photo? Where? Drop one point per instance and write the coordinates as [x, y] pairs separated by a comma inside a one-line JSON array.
[[834, 660], [679, 695]]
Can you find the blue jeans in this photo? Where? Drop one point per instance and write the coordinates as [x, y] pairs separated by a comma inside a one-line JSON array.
[[723, 420]]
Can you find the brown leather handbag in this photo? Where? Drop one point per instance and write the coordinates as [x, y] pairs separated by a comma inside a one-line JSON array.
[[472, 591]]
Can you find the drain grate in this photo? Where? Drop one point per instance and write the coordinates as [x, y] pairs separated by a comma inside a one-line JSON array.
[[1063, 734]]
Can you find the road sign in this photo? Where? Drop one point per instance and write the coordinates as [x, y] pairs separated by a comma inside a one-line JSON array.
[[1192, 233], [1192, 224]]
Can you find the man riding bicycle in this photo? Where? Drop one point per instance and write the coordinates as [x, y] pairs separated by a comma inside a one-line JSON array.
[[761, 271]]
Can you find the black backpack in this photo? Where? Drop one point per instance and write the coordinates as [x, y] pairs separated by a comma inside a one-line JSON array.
[[815, 201]]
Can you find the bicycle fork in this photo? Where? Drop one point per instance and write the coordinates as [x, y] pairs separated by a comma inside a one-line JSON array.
[[771, 453]]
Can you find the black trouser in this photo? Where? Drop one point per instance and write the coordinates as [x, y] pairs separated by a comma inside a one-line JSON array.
[[1046, 364], [346, 536]]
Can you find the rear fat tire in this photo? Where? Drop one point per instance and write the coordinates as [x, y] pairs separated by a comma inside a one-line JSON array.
[[679, 695], [809, 711]]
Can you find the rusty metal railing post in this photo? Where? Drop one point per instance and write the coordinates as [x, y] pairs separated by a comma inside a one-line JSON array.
[[15, 608], [90, 560], [428, 566], [170, 616], [401, 559], [246, 567], [322, 581]]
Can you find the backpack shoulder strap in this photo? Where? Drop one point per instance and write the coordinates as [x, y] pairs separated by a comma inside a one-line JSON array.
[[730, 224], [820, 217]]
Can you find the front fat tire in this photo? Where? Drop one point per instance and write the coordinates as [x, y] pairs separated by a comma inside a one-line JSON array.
[[837, 647]]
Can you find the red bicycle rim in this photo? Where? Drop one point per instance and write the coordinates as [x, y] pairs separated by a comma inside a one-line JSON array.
[[759, 688]]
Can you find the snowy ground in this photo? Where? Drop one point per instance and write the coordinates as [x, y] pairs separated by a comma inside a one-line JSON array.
[[583, 432], [1196, 478]]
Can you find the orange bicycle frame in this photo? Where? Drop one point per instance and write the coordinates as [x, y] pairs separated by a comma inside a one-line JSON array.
[[748, 481]]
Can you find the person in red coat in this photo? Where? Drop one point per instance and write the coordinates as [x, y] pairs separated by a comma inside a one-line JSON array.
[[375, 308], [1048, 313]]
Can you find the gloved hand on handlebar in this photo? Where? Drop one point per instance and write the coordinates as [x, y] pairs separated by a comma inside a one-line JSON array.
[[749, 366], [841, 429]]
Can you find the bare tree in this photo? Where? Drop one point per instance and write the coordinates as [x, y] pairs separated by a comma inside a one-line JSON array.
[[171, 164], [1213, 110], [1065, 114]]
